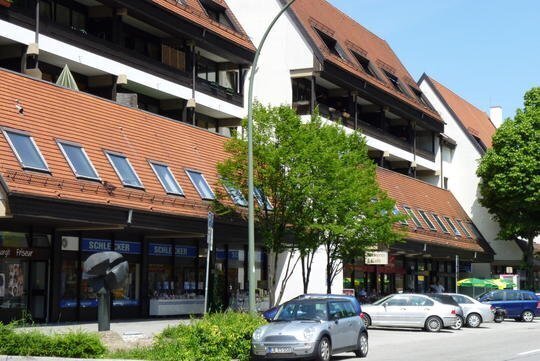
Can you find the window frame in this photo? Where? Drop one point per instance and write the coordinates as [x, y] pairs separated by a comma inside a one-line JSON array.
[[61, 144], [452, 226], [440, 223], [5, 131], [108, 153], [154, 163], [267, 206], [426, 219], [188, 172], [465, 230], [336, 50], [230, 188], [396, 211], [396, 85], [413, 216]]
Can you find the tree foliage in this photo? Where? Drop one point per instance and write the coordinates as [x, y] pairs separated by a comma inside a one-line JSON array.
[[510, 175]]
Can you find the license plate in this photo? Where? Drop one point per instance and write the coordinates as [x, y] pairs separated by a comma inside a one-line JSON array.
[[279, 349]]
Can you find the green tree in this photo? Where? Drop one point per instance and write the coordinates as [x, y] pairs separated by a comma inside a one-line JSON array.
[[510, 177]]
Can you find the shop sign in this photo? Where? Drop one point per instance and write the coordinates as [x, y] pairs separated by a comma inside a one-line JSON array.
[[376, 257], [185, 251], [159, 249], [21, 253], [102, 245]]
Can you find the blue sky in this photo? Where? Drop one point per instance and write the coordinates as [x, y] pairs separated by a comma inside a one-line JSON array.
[[487, 51]]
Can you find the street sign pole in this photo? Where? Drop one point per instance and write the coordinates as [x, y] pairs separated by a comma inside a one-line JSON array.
[[209, 246]]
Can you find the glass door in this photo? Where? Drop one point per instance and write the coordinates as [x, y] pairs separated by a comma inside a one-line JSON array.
[[38, 290]]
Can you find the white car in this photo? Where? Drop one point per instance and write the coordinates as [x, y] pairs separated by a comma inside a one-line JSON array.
[[474, 312]]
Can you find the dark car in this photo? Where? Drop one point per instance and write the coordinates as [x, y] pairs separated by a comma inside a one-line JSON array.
[[519, 305], [271, 312]]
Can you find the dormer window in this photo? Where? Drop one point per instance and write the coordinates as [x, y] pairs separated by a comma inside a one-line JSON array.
[[394, 81], [331, 44], [26, 150], [217, 13], [364, 63]]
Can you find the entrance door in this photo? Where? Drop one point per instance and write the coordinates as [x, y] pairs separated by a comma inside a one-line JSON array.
[[38, 290]]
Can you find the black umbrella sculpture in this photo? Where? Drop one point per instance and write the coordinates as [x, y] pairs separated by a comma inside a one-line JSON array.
[[106, 271]]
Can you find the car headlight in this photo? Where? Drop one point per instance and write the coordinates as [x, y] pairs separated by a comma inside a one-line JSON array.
[[309, 333], [257, 335]]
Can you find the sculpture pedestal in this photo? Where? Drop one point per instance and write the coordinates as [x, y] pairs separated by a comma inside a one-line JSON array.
[[104, 310]]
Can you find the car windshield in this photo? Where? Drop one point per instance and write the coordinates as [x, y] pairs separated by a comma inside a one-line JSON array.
[[482, 295], [302, 311]]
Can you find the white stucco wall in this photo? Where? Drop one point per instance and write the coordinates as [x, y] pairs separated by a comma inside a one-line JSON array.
[[95, 61], [284, 49], [460, 168]]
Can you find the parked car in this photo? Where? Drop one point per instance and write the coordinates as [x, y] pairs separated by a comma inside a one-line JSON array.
[[270, 313], [474, 312], [311, 328], [412, 310], [519, 305]]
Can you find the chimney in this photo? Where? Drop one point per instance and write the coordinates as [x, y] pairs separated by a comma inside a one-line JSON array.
[[496, 115]]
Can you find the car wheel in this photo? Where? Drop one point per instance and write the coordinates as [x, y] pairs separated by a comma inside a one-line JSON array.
[[366, 319], [459, 323], [363, 346], [433, 324], [474, 320], [498, 318], [324, 350], [527, 316]]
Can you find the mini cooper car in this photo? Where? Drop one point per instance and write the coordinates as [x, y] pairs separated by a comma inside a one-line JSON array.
[[314, 328]]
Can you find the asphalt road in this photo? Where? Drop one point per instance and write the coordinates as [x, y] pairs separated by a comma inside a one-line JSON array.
[[504, 341]]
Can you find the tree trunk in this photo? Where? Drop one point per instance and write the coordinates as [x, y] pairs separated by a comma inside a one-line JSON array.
[[530, 263], [304, 277]]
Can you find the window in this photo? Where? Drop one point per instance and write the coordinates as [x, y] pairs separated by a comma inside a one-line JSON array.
[[496, 296], [420, 96], [415, 219], [465, 230], [332, 45], [364, 63], [397, 212], [452, 226], [440, 223], [78, 160], [166, 178], [475, 230], [26, 150], [262, 199], [513, 296], [217, 13], [528, 296], [427, 220], [394, 81], [236, 196], [124, 170], [200, 184]]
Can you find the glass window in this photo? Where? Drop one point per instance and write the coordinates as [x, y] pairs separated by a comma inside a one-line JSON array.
[[236, 196], [340, 310], [454, 229], [263, 201], [527, 296], [166, 178], [513, 296], [419, 301], [397, 212], [440, 223], [331, 44], [398, 301], [415, 219], [128, 295], [200, 184], [78, 161], [394, 81], [160, 280], [497, 296], [427, 220], [13, 283], [364, 63], [68, 283], [124, 170], [26, 150], [465, 230]]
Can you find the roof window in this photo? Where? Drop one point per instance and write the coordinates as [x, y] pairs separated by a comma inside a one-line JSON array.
[[411, 214], [200, 183], [262, 199], [331, 44], [420, 96], [452, 226], [364, 63], [427, 220], [217, 13], [124, 170], [465, 230], [440, 223], [26, 150], [78, 160], [166, 178], [394, 81], [235, 194], [396, 213]]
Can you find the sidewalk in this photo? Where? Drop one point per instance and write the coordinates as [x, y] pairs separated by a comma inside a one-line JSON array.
[[26, 358]]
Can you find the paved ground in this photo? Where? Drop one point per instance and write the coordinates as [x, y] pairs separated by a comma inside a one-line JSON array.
[[505, 341]]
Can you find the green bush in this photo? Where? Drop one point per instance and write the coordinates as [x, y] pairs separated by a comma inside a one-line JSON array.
[[34, 343], [216, 337]]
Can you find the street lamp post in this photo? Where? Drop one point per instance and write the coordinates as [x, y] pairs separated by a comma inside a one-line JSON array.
[[251, 210]]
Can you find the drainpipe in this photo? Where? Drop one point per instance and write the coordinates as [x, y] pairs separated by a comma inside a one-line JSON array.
[[313, 94], [441, 150], [36, 40]]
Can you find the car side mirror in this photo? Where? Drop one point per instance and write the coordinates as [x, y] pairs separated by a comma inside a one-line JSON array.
[[385, 304]]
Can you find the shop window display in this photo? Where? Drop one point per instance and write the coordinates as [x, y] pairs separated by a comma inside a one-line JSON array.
[[160, 280], [68, 283], [13, 284]]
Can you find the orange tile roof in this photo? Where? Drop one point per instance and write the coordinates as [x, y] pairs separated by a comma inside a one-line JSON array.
[[52, 112], [193, 11], [419, 195], [473, 119], [351, 35]]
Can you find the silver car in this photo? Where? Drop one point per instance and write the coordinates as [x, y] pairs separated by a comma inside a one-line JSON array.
[[411, 310], [474, 312], [311, 328]]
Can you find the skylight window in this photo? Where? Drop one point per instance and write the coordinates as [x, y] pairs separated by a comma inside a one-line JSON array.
[[217, 13], [166, 178], [78, 160], [364, 63], [415, 219], [452, 226], [427, 220], [124, 170], [262, 199], [200, 183], [332, 44], [420, 96], [397, 212], [235, 194], [440, 223], [26, 150], [394, 81], [465, 230]]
